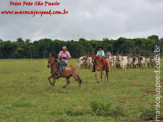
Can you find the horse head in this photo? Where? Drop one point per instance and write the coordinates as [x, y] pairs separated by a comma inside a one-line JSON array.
[[96, 58], [51, 60], [93, 56]]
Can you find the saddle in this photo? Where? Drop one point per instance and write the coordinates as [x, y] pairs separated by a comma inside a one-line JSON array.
[[66, 68], [104, 61]]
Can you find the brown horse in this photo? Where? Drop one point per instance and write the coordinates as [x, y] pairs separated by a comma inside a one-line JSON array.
[[100, 65], [66, 72]]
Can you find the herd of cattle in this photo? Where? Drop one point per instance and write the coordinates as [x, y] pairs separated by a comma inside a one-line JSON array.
[[119, 61]]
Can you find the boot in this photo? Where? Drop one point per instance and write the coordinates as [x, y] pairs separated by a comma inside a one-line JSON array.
[[93, 70]]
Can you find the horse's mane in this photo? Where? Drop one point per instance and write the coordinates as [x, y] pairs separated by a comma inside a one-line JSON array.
[[56, 60]]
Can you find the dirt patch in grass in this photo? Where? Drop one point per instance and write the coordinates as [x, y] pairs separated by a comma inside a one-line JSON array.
[[161, 120], [121, 101], [161, 107], [137, 85], [144, 121], [149, 92], [109, 86], [161, 81], [124, 99], [161, 115]]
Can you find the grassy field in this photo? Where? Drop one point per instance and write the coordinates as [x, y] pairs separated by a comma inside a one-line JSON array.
[[26, 95]]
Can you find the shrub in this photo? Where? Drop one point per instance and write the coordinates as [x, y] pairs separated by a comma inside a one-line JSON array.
[[108, 109], [77, 112], [74, 113]]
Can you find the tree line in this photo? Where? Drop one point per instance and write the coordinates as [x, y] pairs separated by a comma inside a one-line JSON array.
[[41, 48]]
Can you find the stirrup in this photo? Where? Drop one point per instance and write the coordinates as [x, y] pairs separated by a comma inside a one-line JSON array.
[[57, 75]]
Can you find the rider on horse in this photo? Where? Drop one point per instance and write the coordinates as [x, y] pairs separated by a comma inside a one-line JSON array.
[[63, 55], [101, 53]]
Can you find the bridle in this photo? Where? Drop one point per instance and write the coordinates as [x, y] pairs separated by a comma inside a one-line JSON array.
[[53, 62]]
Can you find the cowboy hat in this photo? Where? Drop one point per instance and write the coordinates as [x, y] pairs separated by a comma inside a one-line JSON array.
[[100, 47]]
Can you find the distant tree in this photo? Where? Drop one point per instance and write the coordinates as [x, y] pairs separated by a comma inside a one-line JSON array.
[[153, 37], [20, 41], [8, 49], [42, 47], [27, 40], [82, 40]]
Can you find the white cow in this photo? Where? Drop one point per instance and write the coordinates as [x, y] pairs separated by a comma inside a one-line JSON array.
[[89, 62], [80, 62], [122, 60], [112, 60], [135, 62], [141, 60], [130, 61], [84, 62], [151, 61]]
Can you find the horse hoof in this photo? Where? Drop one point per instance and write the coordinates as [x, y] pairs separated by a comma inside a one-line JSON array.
[[64, 87]]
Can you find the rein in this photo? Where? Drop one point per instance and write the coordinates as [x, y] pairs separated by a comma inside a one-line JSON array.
[[99, 58], [54, 63]]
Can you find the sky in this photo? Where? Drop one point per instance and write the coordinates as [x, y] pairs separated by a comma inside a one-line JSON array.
[[90, 19]]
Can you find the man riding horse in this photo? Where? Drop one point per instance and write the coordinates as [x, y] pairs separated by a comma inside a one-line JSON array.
[[101, 53], [62, 69], [63, 55]]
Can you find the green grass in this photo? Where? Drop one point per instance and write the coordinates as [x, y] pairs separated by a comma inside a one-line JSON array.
[[26, 95]]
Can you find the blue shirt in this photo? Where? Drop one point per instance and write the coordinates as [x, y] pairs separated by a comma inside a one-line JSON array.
[[100, 53]]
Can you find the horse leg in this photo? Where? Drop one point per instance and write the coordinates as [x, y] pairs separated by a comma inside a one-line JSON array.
[[101, 75], [77, 78], [104, 75], [68, 82], [107, 76], [96, 76], [54, 79], [49, 79]]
